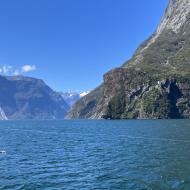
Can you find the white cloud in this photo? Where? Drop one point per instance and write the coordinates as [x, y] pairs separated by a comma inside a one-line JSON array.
[[9, 70], [28, 68], [6, 69]]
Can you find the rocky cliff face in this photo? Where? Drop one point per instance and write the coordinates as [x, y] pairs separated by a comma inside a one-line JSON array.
[[29, 98], [147, 96], [155, 82]]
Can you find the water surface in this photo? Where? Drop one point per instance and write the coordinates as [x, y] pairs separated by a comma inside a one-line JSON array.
[[118, 155]]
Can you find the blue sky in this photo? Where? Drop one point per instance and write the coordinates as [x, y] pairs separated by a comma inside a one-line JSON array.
[[70, 44]]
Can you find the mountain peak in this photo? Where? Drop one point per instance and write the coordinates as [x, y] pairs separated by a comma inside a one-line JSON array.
[[175, 16]]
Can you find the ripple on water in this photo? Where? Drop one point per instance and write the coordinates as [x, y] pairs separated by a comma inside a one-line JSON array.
[[118, 155]]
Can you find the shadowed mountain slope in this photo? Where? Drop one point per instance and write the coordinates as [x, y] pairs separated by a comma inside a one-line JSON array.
[[29, 98]]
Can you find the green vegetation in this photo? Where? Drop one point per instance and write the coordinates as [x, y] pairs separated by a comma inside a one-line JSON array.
[[155, 104], [116, 106]]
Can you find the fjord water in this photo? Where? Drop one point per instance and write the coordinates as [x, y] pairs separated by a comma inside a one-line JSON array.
[[136, 155]]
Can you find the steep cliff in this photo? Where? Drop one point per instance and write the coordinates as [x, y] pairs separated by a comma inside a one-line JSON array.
[[155, 82]]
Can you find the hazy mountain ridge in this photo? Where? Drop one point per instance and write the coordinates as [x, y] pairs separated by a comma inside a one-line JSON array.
[[72, 97], [29, 98], [155, 82]]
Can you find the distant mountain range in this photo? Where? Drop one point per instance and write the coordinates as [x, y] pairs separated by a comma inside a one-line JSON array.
[[29, 98]]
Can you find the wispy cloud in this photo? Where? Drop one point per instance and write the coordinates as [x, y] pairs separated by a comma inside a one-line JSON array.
[[6, 69], [10, 70]]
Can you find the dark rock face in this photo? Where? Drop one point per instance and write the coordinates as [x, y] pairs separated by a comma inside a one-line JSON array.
[[144, 97], [29, 98], [155, 82]]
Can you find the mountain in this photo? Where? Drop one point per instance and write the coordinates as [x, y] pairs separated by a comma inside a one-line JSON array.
[[72, 97], [87, 106], [29, 98], [155, 82]]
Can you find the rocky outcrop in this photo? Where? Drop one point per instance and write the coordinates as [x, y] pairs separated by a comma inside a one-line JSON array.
[[155, 82]]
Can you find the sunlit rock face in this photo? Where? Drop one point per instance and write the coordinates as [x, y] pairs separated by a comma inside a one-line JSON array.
[[155, 82], [176, 15]]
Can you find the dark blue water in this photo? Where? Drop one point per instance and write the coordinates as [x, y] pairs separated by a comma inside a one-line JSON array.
[[85, 155]]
